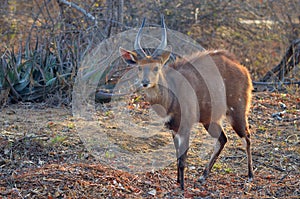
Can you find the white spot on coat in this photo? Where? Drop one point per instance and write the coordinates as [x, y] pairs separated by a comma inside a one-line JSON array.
[[177, 137], [244, 142]]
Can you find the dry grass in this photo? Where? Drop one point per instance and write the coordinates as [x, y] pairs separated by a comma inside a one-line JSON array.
[[43, 157]]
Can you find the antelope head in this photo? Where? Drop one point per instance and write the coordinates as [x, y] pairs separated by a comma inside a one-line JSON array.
[[149, 66]]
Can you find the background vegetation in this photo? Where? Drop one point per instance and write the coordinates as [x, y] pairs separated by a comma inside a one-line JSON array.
[[43, 41], [42, 44]]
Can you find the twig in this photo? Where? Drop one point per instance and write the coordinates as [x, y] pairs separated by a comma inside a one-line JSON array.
[[291, 119], [275, 83], [73, 5], [233, 157], [16, 190], [271, 166], [284, 176], [33, 137]]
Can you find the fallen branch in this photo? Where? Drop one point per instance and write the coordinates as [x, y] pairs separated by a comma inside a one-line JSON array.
[[288, 62], [284, 176], [275, 83], [291, 119], [270, 166]]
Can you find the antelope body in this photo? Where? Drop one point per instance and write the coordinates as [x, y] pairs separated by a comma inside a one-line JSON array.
[[182, 93]]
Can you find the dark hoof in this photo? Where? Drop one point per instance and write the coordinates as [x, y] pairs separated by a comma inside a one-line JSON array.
[[182, 186], [250, 179], [202, 179]]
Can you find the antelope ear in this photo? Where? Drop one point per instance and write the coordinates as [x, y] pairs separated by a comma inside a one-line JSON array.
[[128, 56]]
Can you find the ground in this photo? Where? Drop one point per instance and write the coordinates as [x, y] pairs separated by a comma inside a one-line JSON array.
[[42, 156]]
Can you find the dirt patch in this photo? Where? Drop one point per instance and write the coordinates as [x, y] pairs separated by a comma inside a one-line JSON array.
[[42, 156]]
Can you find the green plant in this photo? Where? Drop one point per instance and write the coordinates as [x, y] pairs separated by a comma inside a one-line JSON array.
[[58, 139], [33, 73]]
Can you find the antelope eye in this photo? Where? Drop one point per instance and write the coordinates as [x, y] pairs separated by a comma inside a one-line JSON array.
[[155, 69]]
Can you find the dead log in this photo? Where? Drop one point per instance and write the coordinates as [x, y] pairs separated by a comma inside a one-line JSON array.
[[276, 77], [288, 62]]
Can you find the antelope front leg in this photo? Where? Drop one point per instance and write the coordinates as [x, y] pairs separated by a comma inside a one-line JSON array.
[[215, 130], [180, 169], [181, 145]]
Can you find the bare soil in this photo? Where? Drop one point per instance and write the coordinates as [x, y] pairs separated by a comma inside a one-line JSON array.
[[42, 156]]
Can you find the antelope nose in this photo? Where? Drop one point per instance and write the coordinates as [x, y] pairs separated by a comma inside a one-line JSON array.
[[145, 82]]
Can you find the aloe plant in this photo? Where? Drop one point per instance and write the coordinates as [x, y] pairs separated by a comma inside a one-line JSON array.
[[37, 69], [31, 73]]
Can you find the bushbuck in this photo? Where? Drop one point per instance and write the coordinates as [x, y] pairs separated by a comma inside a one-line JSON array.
[[204, 87]]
